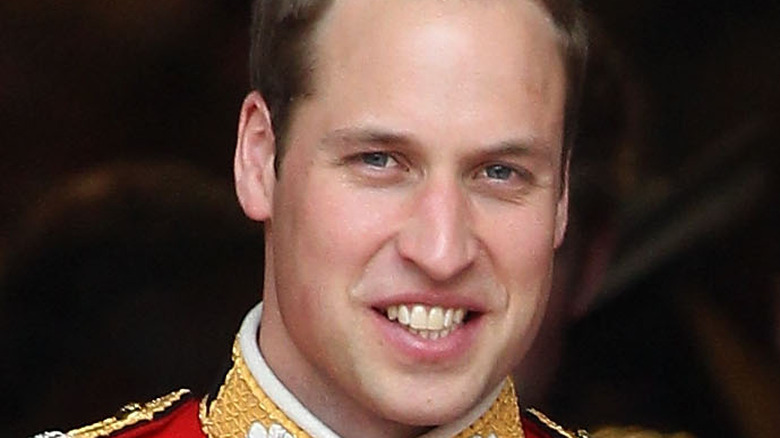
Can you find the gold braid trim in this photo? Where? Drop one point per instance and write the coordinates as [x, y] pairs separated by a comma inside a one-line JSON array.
[[240, 402], [557, 428], [502, 419], [129, 415]]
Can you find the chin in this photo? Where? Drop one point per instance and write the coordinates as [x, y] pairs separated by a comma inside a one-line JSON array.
[[429, 416], [432, 408]]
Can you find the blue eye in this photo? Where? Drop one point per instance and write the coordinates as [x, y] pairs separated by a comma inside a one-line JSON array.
[[376, 159], [498, 171]]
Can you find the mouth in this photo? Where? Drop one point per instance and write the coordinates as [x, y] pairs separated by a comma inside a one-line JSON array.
[[427, 322]]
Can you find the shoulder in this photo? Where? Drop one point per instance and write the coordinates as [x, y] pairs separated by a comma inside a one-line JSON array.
[[173, 415], [538, 425]]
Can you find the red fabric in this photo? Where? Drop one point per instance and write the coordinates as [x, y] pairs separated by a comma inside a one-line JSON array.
[[532, 430], [182, 422]]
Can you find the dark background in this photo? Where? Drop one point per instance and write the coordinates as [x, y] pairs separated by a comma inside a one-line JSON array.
[[126, 264]]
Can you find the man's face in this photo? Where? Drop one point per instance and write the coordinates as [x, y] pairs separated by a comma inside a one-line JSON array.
[[421, 175]]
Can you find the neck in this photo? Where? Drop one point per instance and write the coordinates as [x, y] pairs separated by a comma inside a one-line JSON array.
[[321, 396], [253, 400]]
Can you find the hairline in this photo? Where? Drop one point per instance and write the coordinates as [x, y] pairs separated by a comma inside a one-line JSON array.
[[566, 41]]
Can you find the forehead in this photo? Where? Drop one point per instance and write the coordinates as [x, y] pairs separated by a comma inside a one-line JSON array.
[[350, 25], [430, 57]]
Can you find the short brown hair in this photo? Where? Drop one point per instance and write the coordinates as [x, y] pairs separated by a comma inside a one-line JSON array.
[[281, 61]]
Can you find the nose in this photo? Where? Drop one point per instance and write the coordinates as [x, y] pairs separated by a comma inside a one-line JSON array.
[[438, 234]]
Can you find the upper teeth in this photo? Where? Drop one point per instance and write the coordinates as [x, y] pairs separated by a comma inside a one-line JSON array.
[[420, 317]]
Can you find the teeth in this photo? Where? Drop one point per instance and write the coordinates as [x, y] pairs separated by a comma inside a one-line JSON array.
[[435, 319], [457, 318], [419, 317], [403, 315], [392, 313], [448, 318], [427, 322]]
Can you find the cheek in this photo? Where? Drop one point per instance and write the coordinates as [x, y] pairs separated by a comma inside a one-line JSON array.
[[522, 247], [523, 260], [332, 231], [347, 224], [522, 253]]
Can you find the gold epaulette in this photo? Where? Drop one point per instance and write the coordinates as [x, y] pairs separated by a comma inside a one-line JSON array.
[[553, 428], [608, 432], [636, 432], [130, 415]]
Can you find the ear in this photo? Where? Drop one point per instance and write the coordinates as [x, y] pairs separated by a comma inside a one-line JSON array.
[[254, 160], [562, 209]]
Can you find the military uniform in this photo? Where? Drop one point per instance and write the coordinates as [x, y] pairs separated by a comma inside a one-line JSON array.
[[253, 403]]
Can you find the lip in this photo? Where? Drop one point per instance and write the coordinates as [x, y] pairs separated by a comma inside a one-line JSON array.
[[435, 298], [414, 349]]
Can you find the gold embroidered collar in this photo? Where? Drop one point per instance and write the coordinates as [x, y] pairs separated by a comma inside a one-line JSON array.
[[242, 409]]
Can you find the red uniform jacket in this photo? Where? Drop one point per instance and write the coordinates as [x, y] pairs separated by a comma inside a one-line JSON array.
[[181, 420]]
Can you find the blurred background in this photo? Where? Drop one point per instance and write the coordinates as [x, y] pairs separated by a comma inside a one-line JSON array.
[[126, 264]]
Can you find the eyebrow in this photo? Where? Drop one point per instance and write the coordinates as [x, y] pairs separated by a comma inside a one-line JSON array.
[[525, 147], [512, 147], [369, 135]]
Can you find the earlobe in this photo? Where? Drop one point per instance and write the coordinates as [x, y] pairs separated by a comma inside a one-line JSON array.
[[254, 159]]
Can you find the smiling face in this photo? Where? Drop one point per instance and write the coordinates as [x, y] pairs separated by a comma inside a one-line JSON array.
[[411, 228]]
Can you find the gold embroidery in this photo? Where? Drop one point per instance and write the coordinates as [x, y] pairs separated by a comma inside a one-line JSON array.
[[129, 415], [502, 419], [240, 402], [552, 425]]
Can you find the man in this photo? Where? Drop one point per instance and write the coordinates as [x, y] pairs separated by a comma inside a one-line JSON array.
[[409, 162]]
